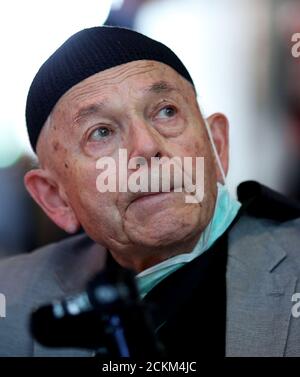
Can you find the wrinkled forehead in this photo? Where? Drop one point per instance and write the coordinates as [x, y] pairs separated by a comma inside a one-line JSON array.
[[136, 79]]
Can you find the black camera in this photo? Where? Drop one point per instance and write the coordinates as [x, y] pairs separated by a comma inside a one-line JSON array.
[[108, 317]]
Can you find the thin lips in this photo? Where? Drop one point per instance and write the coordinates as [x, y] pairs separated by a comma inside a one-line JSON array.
[[139, 195]]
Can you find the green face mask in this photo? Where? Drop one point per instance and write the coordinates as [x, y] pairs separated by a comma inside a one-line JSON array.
[[225, 211]]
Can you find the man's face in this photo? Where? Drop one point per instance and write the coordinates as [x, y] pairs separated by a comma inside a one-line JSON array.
[[148, 109]]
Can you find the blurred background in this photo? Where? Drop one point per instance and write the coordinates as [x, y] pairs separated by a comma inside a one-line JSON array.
[[239, 53]]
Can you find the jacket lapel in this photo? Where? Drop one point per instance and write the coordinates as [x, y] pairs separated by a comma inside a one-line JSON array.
[[259, 292]]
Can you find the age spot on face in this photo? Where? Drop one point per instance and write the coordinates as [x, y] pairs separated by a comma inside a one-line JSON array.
[[56, 145]]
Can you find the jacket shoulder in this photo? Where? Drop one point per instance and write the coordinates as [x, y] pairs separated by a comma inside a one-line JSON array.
[[21, 271], [268, 230], [261, 201]]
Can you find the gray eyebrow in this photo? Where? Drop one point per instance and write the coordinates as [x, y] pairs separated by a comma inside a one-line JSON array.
[[87, 111], [161, 87]]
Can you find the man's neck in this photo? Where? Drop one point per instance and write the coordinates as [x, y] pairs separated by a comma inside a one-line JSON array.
[[140, 258]]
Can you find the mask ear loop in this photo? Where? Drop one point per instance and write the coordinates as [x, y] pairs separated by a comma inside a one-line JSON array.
[[213, 145], [207, 231]]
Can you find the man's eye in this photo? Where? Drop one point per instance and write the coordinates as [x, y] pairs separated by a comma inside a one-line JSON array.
[[100, 133], [167, 112]]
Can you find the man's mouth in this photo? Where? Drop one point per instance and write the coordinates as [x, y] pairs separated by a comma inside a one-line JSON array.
[[149, 199], [146, 195]]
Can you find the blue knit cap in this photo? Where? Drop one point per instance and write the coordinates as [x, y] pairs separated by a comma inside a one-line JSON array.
[[85, 53]]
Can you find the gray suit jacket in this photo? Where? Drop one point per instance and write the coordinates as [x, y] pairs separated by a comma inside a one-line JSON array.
[[262, 275]]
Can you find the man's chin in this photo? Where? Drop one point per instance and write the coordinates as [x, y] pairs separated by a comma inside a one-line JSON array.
[[161, 236], [169, 225]]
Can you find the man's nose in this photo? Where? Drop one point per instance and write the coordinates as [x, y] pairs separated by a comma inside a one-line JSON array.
[[145, 142]]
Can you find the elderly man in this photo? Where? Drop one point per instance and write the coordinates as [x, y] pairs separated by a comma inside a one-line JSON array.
[[222, 275]]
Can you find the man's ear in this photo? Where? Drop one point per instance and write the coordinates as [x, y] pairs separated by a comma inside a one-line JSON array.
[[219, 128], [46, 193]]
